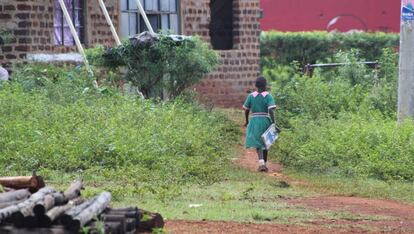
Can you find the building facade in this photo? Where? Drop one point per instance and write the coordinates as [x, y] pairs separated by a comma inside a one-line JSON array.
[[341, 15], [230, 26]]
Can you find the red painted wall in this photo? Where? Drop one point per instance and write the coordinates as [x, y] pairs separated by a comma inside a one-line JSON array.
[[308, 15]]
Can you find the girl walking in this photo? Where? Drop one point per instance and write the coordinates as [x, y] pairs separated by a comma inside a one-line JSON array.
[[262, 105]]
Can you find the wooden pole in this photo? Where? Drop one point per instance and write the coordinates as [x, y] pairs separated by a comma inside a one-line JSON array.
[[109, 21], [144, 16], [75, 35], [406, 71]]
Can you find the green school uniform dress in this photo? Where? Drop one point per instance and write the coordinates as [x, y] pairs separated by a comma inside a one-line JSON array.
[[259, 105]]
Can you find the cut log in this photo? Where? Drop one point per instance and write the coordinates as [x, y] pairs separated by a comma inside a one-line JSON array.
[[150, 221], [33, 183], [95, 209], [27, 204], [130, 213], [56, 212], [116, 218], [68, 216], [74, 190], [14, 195], [7, 204], [44, 205], [55, 230], [108, 227]]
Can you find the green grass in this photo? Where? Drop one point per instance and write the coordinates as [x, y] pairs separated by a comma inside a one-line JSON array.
[[242, 197], [370, 188]]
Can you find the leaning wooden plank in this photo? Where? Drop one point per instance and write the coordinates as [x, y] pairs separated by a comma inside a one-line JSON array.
[[68, 216], [33, 183], [14, 195], [74, 190], [27, 204], [95, 209], [56, 212]]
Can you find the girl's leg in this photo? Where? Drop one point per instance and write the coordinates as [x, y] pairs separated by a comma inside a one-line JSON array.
[[260, 155], [265, 155]]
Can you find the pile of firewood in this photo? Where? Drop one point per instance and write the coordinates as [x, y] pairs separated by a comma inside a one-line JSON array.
[[29, 206]]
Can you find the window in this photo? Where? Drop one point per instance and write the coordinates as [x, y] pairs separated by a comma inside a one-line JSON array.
[[221, 24], [62, 33], [162, 15]]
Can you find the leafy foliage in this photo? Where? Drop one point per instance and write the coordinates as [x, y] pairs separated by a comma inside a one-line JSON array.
[[310, 47], [364, 145], [5, 36], [343, 121], [66, 127], [163, 65]]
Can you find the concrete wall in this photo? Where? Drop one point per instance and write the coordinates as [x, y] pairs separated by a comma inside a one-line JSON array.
[[308, 15]]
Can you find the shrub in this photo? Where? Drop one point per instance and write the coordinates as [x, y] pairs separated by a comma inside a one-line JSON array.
[[162, 65], [343, 120], [309, 47], [364, 145], [351, 88], [146, 145]]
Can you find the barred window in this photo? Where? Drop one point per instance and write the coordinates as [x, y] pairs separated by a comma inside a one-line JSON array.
[[62, 34], [162, 15]]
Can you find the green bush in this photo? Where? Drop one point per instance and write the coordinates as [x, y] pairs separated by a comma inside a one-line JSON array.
[[309, 47], [363, 145], [343, 120], [351, 88], [163, 65], [142, 143]]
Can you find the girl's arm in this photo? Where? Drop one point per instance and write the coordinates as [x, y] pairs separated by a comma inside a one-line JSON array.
[[246, 115], [272, 114]]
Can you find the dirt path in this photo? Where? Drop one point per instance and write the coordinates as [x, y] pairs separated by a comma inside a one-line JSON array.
[[399, 216], [394, 217], [207, 227]]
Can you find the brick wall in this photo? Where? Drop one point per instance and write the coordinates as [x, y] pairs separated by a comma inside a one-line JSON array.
[[31, 23], [228, 85]]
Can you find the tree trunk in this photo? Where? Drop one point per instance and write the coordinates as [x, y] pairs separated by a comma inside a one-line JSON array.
[[130, 212], [29, 203], [69, 215], [95, 209], [14, 195], [56, 212], [44, 205], [7, 204], [33, 183], [74, 190]]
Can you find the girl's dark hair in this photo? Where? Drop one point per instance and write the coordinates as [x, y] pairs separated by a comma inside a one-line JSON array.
[[261, 82]]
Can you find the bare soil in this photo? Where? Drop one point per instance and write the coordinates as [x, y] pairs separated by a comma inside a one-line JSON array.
[[204, 227], [399, 216]]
